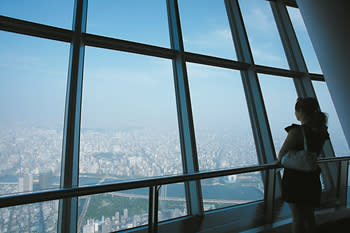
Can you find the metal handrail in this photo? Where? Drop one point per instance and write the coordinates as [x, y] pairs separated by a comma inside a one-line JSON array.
[[55, 194], [334, 159]]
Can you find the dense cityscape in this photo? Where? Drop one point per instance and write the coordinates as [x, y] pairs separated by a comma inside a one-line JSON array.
[[31, 160]]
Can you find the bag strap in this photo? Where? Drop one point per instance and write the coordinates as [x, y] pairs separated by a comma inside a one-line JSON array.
[[304, 136]]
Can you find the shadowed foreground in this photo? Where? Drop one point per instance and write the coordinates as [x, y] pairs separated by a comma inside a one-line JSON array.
[[331, 222]]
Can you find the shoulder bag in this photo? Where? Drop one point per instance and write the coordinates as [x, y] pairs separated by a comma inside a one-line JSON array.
[[301, 160]]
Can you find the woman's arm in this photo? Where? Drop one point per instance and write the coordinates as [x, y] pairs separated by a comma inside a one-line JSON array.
[[291, 142]]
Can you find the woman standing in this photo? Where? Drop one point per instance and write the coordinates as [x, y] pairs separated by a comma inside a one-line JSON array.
[[302, 190]]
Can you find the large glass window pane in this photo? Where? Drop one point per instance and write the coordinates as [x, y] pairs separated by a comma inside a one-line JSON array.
[[205, 28], [279, 97], [127, 209], [262, 33], [39, 217], [222, 126], [115, 211], [304, 40], [172, 202], [33, 78], [334, 128], [140, 21], [129, 118], [232, 190], [58, 13]]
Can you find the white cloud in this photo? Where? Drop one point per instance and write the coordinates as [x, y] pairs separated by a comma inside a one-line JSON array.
[[147, 75], [214, 41], [257, 19], [223, 34], [267, 57], [208, 72]]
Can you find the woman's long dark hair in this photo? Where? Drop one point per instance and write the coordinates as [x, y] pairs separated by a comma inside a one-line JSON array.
[[309, 106]]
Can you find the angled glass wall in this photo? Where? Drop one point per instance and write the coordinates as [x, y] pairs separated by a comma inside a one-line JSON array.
[[280, 108], [144, 103], [304, 40], [334, 128]]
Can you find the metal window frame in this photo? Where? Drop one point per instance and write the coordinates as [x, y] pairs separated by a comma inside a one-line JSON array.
[[58, 34], [257, 112], [154, 183], [184, 110], [68, 207], [92, 189], [79, 39], [302, 83], [260, 126], [35, 29]]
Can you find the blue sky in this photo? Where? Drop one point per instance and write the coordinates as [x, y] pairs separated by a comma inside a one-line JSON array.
[[127, 90]]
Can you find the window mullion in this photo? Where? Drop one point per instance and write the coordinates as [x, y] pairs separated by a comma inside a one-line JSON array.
[[292, 49], [257, 112], [68, 208], [186, 128], [303, 84]]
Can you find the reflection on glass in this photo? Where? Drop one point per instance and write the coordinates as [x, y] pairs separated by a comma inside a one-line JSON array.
[[140, 21], [58, 13], [33, 78], [262, 33], [232, 190], [205, 28], [40, 217], [304, 40], [113, 211], [334, 128], [129, 119], [221, 121], [279, 107]]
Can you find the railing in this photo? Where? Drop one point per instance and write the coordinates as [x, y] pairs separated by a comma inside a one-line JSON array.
[[155, 182]]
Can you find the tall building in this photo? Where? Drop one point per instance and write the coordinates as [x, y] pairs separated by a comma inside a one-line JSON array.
[[25, 183], [89, 227], [106, 226], [125, 213], [45, 180]]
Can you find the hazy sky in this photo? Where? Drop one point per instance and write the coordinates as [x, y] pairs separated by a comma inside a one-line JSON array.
[[127, 90]]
